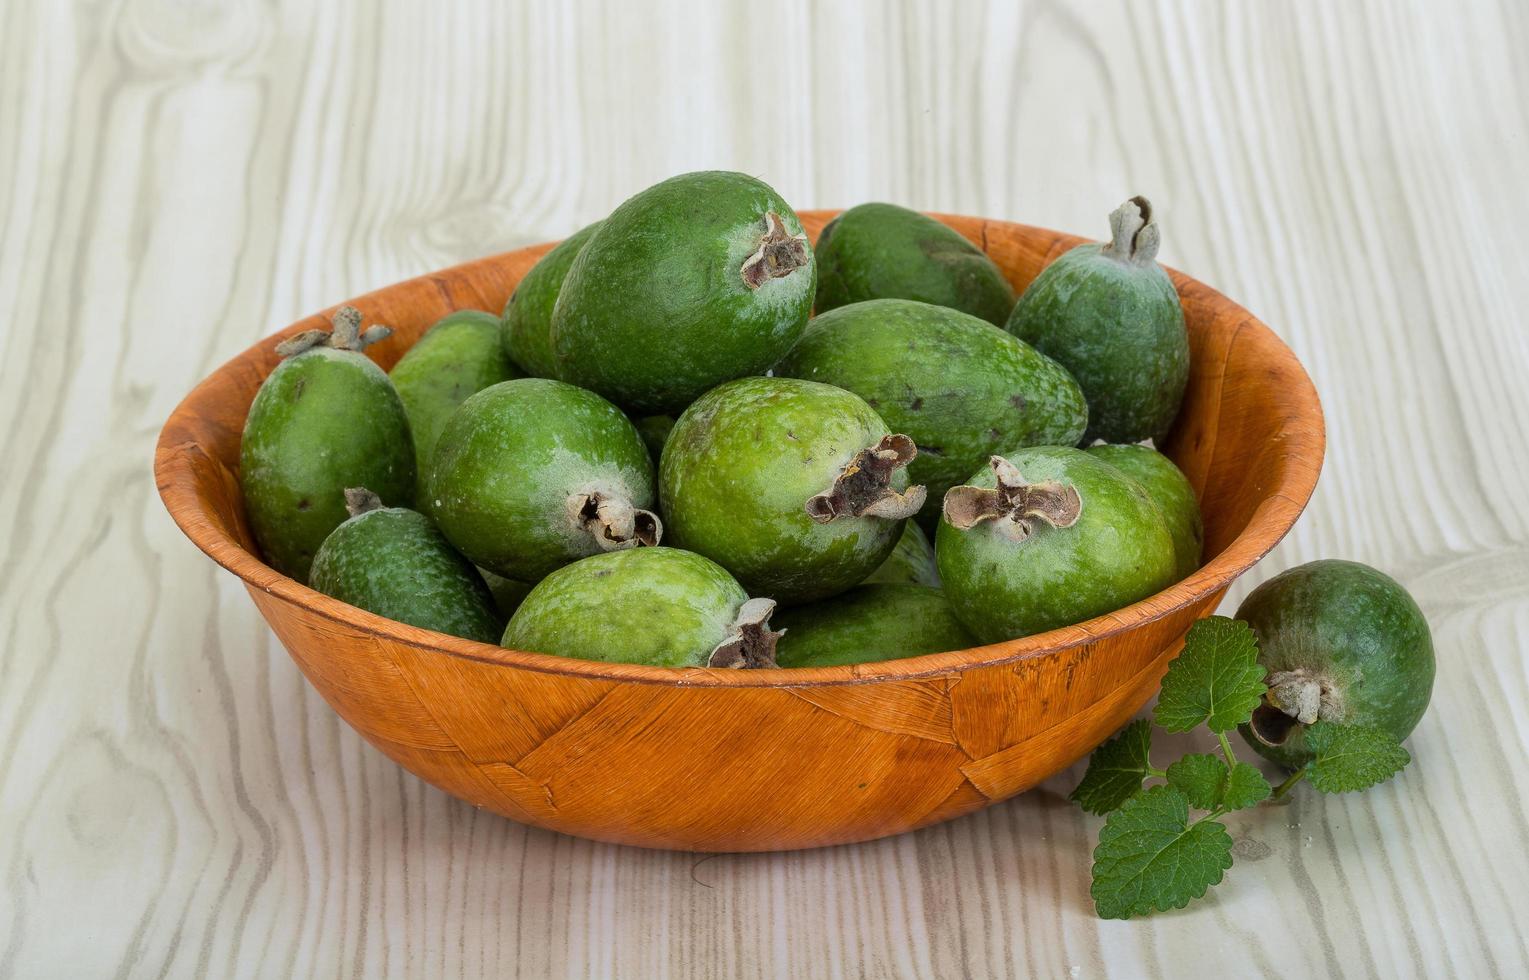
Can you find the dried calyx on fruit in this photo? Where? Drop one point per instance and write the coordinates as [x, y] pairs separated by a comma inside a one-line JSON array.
[[1134, 236], [346, 335], [864, 486], [780, 253], [752, 643], [612, 520], [1013, 505]]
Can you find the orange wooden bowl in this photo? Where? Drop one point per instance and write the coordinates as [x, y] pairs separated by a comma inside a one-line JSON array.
[[716, 760]]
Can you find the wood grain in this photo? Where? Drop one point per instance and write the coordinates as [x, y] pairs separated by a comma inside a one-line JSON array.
[[178, 179]]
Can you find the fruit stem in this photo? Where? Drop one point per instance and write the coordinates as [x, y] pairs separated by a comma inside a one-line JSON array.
[[863, 487], [1134, 236], [752, 643], [1014, 505]]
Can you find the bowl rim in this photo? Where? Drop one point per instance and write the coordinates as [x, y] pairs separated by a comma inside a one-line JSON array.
[[1271, 521]]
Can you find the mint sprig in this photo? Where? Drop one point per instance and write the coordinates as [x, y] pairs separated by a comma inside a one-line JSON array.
[[1153, 853]]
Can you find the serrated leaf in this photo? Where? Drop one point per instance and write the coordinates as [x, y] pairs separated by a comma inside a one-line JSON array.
[[1245, 787], [1201, 778], [1352, 757], [1151, 858], [1216, 681], [1116, 769]]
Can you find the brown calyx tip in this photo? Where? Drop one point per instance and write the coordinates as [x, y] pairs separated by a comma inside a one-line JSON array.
[[359, 500], [1014, 505], [752, 643], [1294, 699], [1134, 236], [345, 335], [863, 487], [779, 254], [613, 521]]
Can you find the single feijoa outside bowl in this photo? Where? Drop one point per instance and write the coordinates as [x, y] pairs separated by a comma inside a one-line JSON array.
[[720, 760]]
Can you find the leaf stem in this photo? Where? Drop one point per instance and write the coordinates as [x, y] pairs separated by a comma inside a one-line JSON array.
[[1159, 773], [1226, 750], [1291, 780]]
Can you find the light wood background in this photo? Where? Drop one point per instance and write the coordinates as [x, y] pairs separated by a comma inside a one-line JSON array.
[[179, 178]]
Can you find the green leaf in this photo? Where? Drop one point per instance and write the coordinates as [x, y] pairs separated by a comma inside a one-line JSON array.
[[1352, 757], [1201, 778], [1151, 858], [1116, 769], [1208, 784], [1245, 787], [1216, 681]]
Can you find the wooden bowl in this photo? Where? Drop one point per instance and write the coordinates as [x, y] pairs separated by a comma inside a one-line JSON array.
[[717, 760]]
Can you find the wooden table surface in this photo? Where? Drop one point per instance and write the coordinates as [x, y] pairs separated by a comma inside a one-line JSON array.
[[179, 179]]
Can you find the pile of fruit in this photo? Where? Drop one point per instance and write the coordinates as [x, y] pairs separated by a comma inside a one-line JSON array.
[[659, 455]]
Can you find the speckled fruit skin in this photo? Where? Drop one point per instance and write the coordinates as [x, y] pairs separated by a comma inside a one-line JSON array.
[[869, 623], [1356, 627], [959, 386], [526, 326], [457, 357], [882, 251], [1119, 551], [1170, 489], [910, 563], [1119, 329], [507, 462], [325, 420], [394, 562], [655, 311], [738, 470], [658, 606]]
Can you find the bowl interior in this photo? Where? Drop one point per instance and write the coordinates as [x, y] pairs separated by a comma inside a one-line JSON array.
[[1249, 437]]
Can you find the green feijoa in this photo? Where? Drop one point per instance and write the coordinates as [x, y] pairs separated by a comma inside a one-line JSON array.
[[526, 327], [797, 488], [696, 280], [868, 623], [326, 419], [961, 388], [508, 593], [459, 356], [1110, 315], [392, 561], [1170, 489], [655, 430], [1341, 642], [531, 474], [911, 561], [882, 251], [658, 606], [1047, 537]]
